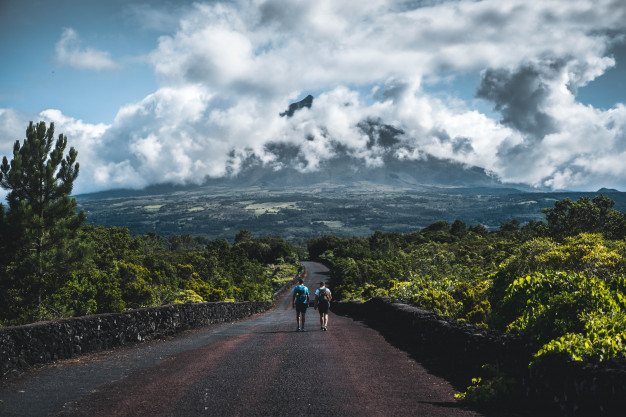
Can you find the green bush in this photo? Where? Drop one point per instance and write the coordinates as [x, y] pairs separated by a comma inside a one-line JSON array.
[[604, 337], [553, 304]]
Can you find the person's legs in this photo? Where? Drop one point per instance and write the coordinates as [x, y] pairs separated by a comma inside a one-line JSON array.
[[323, 315], [300, 315]]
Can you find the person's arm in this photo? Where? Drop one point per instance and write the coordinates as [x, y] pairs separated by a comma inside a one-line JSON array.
[[293, 299]]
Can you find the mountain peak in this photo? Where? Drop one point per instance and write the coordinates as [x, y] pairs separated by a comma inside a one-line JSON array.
[[293, 107]]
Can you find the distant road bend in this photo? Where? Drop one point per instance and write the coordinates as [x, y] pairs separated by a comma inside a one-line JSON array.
[[256, 367]]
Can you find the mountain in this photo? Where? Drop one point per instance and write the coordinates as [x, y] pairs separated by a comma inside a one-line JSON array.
[[344, 171], [347, 172], [293, 107]]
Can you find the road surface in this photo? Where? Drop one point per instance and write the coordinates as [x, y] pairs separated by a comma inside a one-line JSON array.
[[257, 367]]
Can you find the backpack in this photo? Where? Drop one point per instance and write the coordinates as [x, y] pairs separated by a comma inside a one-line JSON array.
[[301, 294], [323, 296]]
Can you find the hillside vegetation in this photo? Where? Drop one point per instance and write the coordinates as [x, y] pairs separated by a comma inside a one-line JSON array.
[[123, 272], [560, 283]]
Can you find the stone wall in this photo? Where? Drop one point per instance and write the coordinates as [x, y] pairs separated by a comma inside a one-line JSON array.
[[24, 346], [37, 343], [558, 385]]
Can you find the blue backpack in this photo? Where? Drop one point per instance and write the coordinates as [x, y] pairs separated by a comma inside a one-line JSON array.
[[301, 294]]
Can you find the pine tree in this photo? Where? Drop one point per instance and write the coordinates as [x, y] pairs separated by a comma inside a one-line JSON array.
[[41, 225]]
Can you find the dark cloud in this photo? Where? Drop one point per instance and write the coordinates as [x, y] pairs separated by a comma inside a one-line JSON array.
[[287, 15], [460, 145], [493, 18], [519, 96], [287, 155], [392, 90]]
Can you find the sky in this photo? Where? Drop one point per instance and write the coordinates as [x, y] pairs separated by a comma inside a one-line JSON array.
[[172, 91]]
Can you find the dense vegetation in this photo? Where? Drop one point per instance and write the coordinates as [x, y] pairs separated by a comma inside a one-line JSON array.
[[52, 265], [561, 283], [121, 271]]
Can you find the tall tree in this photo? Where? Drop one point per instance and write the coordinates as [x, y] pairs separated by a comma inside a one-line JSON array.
[[586, 215], [41, 224]]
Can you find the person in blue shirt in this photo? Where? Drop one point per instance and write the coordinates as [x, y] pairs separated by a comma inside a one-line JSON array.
[[300, 302]]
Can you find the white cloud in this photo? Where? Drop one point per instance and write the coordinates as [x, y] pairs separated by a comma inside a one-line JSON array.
[[68, 52], [231, 68]]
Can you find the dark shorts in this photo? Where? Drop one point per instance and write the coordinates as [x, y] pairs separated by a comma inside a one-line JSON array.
[[301, 308], [323, 308]]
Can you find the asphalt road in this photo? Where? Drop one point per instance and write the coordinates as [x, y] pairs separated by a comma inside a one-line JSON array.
[[257, 367]]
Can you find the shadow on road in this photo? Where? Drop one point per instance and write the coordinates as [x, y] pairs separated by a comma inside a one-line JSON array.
[[452, 371]]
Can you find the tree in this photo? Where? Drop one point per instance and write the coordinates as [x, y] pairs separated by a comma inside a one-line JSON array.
[[244, 236], [585, 215], [41, 225], [512, 226], [458, 228], [478, 229]]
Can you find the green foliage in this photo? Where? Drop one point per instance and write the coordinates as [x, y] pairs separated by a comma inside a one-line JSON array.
[[555, 304], [431, 270], [585, 215], [77, 297], [40, 230], [283, 273], [131, 272], [187, 297], [135, 285], [428, 294], [51, 265], [495, 386], [556, 284], [571, 297], [604, 338], [458, 229]]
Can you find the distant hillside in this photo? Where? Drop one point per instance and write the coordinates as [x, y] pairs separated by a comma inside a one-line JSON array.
[[347, 174], [343, 196]]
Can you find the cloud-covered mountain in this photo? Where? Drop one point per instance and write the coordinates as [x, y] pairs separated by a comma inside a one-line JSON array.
[[379, 71], [288, 164], [345, 171]]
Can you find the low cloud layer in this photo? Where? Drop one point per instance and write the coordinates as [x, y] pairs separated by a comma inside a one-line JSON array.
[[230, 69]]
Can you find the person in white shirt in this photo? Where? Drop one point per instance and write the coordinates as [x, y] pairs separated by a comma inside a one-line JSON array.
[[322, 304]]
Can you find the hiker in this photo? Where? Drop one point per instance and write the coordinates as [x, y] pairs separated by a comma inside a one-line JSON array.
[[322, 303], [300, 301]]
